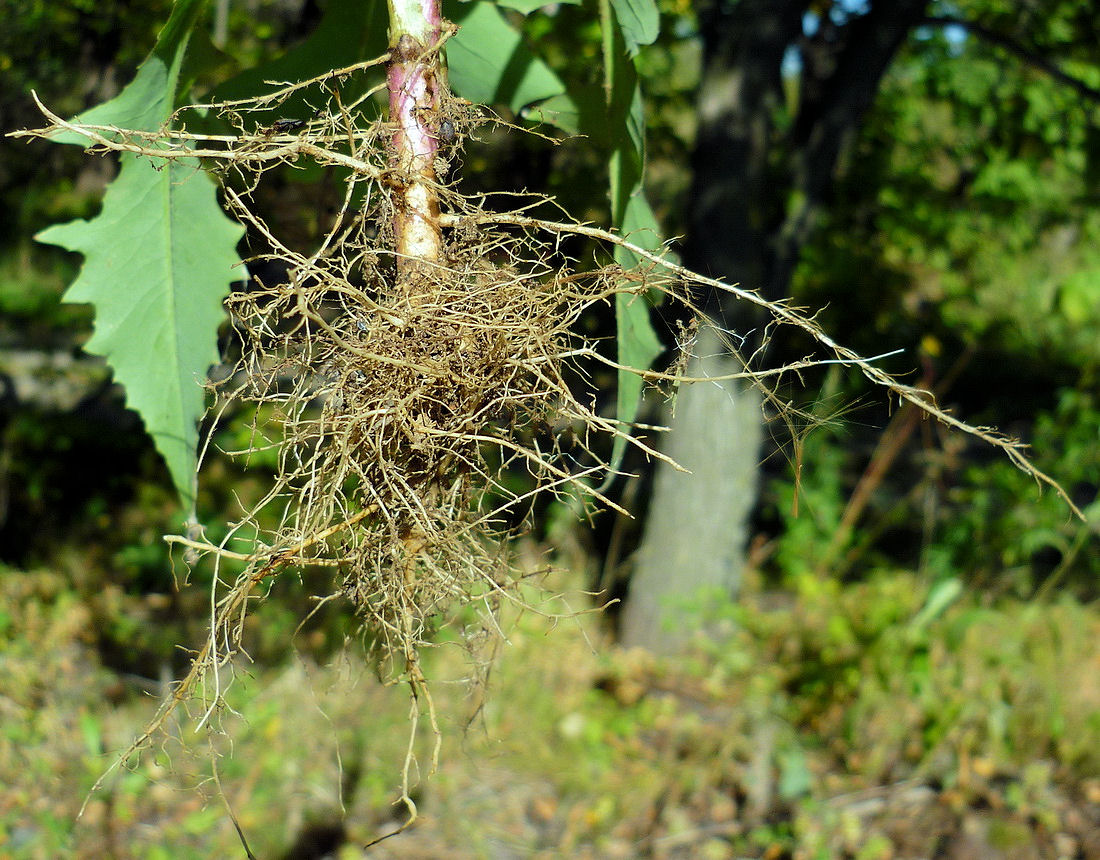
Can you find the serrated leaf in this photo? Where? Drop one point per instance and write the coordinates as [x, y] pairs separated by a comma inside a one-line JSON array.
[[147, 101], [639, 21], [143, 105], [489, 64], [158, 263]]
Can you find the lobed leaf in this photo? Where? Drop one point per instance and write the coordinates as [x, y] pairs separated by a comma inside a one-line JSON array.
[[158, 262]]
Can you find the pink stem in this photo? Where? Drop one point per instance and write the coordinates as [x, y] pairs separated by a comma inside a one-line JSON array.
[[414, 79]]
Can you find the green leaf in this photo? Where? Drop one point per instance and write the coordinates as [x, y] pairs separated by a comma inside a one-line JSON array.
[[628, 170], [639, 226], [638, 344], [158, 262], [1079, 296], [795, 777], [143, 105], [583, 110], [940, 598], [639, 22], [561, 111], [172, 39], [488, 62], [92, 733], [148, 100], [526, 7], [349, 32]]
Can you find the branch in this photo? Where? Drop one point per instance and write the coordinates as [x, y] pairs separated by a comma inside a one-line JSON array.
[[1026, 54]]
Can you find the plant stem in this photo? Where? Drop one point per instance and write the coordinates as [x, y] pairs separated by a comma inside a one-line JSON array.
[[415, 80]]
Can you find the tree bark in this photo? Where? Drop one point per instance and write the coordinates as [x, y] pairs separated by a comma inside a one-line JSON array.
[[694, 547]]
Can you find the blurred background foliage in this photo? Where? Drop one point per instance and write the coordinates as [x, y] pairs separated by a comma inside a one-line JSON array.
[[966, 230], [918, 609]]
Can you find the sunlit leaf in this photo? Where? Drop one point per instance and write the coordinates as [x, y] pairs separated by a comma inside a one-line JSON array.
[[528, 6], [638, 344], [146, 102], [489, 64], [639, 21], [158, 262]]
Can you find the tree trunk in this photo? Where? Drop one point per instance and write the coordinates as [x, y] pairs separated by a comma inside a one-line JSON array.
[[694, 540]]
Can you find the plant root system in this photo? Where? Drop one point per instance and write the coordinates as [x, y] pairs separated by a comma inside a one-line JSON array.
[[417, 406]]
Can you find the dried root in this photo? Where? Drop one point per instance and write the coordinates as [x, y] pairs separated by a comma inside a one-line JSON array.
[[417, 405], [407, 391], [403, 409]]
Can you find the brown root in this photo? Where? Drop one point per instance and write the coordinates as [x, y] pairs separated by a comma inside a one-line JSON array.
[[407, 399]]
